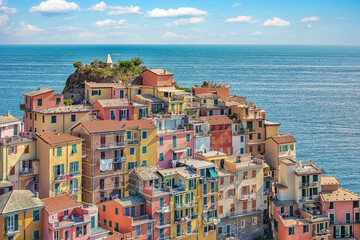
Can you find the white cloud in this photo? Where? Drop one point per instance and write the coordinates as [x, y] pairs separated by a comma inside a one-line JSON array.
[[27, 29], [276, 22], [118, 10], [109, 22], [242, 19], [182, 11], [6, 9], [100, 7], [115, 10], [309, 26], [67, 28], [172, 35], [52, 7], [256, 33], [310, 19], [3, 19], [87, 34], [185, 21], [70, 18], [117, 33], [236, 4]]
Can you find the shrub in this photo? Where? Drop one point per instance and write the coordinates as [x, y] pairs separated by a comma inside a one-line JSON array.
[[68, 102]]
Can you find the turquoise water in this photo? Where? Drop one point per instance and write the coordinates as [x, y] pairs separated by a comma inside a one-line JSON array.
[[313, 91]]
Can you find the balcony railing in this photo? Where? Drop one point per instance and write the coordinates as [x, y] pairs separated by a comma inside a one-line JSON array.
[[111, 145], [164, 224], [212, 220], [27, 171], [321, 232], [247, 197], [119, 159], [185, 233], [133, 141], [75, 173], [59, 177], [185, 205], [163, 209]]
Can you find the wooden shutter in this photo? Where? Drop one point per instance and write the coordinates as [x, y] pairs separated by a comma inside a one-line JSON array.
[[253, 173], [243, 191], [229, 192]]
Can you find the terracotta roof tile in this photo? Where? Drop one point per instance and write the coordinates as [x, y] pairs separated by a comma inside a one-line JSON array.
[[220, 119], [4, 119], [159, 71], [341, 194], [329, 180], [60, 203], [55, 137], [38, 92], [284, 139], [100, 126], [104, 85]]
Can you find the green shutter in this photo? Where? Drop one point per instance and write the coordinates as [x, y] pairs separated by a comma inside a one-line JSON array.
[[74, 150], [16, 222], [77, 166], [62, 168]]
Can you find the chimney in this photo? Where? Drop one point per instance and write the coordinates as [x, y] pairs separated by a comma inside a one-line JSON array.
[[8, 113], [39, 88], [164, 71]]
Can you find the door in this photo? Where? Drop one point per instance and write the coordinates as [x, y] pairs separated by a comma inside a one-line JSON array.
[[142, 210], [228, 231], [291, 210], [121, 93], [92, 221]]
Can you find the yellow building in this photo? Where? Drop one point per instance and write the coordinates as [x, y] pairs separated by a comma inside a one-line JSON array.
[[60, 158], [21, 216], [174, 99], [213, 156], [61, 119], [95, 91], [185, 206], [18, 162]]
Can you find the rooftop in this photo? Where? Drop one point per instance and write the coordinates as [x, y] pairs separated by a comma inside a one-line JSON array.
[[60, 203], [149, 98], [64, 109], [340, 194], [56, 137], [5, 183], [283, 203], [103, 126], [212, 154], [329, 180], [104, 85], [159, 71], [118, 102], [280, 139], [307, 168], [197, 163], [245, 161], [38, 92], [8, 118], [219, 119], [19, 200], [130, 201], [207, 96], [183, 171], [268, 123], [147, 173]]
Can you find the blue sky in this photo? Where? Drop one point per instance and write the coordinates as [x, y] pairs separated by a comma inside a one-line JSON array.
[[180, 22]]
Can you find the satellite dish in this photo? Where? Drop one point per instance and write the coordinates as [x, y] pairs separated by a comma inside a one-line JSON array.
[[180, 182]]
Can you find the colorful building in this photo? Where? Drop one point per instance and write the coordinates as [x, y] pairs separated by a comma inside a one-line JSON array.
[[60, 157], [157, 77], [211, 105], [114, 109], [61, 119], [9, 125], [127, 217], [221, 133], [222, 90], [95, 91], [65, 218], [201, 135], [156, 104], [35, 100], [342, 208], [21, 216], [239, 137]]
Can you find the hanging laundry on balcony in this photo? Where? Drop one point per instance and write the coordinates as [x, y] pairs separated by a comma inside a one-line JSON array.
[[106, 164]]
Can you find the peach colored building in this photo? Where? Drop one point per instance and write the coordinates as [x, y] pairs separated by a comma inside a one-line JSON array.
[[65, 218], [96, 91], [221, 90], [145, 182], [342, 207], [157, 77], [39, 99], [114, 109], [127, 216]]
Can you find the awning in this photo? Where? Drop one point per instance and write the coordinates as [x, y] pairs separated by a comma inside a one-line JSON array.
[[178, 150], [213, 173]]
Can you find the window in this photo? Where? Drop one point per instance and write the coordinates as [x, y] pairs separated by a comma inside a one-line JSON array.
[[250, 137], [132, 151], [355, 204], [36, 216], [220, 230], [112, 115], [332, 206], [80, 230], [189, 152], [26, 149], [43, 118], [282, 209], [292, 147], [275, 225], [104, 208], [215, 102], [243, 224], [241, 138], [212, 187], [36, 235], [161, 157], [178, 230], [35, 115], [127, 211], [110, 223], [332, 218], [73, 117], [96, 92], [132, 165], [305, 228], [172, 107], [284, 148], [291, 231], [254, 220], [174, 141], [39, 102], [59, 151], [137, 231], [58, 100], [128, 135], [161, 141], [231, 179], [221, 181], [104, 222], [259, 135], [144, 150], [315, 178], [205, 189], [188, 137], [73, 149], [357, 217], [212, 199], [204, 101], [181, 106], [347, 215], [53, 119], [149, 228], [205, 201], [144, 163], [260, 124], [144, 135], [12, 223]]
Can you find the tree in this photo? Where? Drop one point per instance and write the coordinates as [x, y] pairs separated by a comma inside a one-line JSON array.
[[137, 61], [68, 102], [205, 84], [77, 64]]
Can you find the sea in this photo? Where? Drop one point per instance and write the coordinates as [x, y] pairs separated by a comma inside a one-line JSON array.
[[313, 91]]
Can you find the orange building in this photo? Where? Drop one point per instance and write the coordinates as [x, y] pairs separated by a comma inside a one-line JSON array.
[[157, 77]]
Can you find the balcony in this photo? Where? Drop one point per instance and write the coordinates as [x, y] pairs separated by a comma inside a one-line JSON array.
[[164, 209], [119, 159], [186, 234], [23, 107], [202, 134], [76, 173], [67, 222], [75, 191], [185, 205], [250, 130], [321, 232], [208, 180], [163, 224], [59, 177], [26, 171], [212, 220], [308, 184], [133, 141], [110, 146], [239, 132], [246, 197]]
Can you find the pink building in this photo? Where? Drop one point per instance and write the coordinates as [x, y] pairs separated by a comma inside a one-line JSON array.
[[9, 125], [342, 207], [174, 141], [65, 218], [39, 99], [114, 109], [157, 198], [157, 77]]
